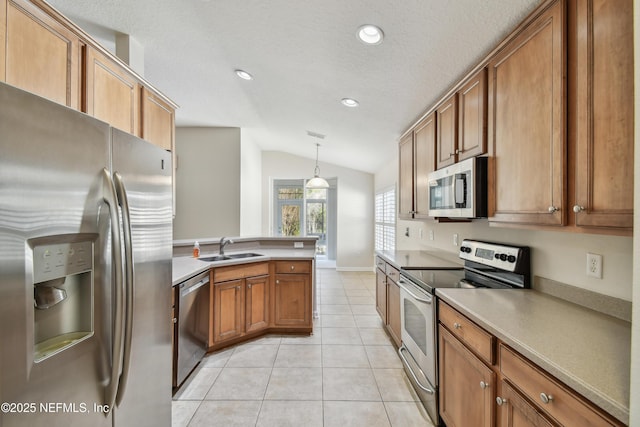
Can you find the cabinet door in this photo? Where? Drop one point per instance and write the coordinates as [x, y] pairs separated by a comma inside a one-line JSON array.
[[604, 113], [256, 303], [393, 311], [405, 180], [158, 120], [425, 163], [40, 54], [292, 298], [472, 117], [466, 385], [112, 94], [527, 124], [228, 310], [516, 411], [381, 295], [447, 132]]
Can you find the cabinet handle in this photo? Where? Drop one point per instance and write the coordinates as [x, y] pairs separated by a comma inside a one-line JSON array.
[[553, 209], [483, 385], [546, 398], [457, 325], [578, 208], [500, 401]]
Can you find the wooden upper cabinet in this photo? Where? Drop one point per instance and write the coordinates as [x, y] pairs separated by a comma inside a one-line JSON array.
[[405, 185], [447, 132], [158, 120], [112, 94], [604, 112], [425, 152], [527, 121], [472, 117], [39, 54]]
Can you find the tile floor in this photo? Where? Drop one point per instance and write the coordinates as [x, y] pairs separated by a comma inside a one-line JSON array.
[[346, 374]]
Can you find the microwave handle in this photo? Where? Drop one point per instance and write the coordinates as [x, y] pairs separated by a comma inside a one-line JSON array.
[[459, 187]]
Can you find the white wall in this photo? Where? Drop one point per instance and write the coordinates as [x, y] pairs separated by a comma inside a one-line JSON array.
[[355, 204], [250, 188], [635, 326], [207, 182], [559, 256]]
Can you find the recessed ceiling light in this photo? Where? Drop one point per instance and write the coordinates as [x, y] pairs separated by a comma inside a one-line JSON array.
[[370, 34], [244, 75], [350, 102]]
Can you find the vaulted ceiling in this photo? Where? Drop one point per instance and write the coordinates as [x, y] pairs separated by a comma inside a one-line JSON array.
[[305, 57]]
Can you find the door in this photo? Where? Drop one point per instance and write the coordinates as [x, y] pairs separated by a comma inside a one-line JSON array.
[[425, 163], [256, 303], [405, 180], [381, 295], [393, 311], [466, 385], [527, 116], [42, 56], [515, 411], [53, 221], [447, 132], [289, 206], [145, 396], [317, 217], [472, 117], [228, 310], [291, 300]]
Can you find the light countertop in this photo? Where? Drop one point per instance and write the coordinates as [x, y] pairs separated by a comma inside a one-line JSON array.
[[185, 267], [427, 259], [587, 350]]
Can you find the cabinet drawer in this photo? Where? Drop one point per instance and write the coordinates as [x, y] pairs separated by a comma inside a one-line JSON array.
[[283, 267], [393, 273], [380, 264], [562, 404], [234, 272], [481, 342]]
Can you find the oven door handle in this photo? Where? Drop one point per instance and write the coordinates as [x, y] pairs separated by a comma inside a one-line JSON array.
[[406, 363], [401, 283]]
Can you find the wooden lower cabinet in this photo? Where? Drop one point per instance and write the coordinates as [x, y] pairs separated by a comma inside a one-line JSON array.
[[507, 390], [381, 295], [466, 385], [292, 295], [228, 310], [515, 411], [256, 303], [393, 311]]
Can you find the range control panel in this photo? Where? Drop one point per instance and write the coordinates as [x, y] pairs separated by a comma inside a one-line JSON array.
[[500, 256]]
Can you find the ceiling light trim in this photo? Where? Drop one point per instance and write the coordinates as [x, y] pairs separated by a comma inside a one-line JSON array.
[[370, 34], [350, 102], [243, 74]]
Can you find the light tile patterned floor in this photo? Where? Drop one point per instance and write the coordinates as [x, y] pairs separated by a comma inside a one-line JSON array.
[[346, 374]]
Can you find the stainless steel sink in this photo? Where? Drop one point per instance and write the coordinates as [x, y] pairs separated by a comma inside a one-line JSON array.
[[230, 256]]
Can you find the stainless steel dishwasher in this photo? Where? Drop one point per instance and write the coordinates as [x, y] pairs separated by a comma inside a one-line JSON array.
[[193, 324]]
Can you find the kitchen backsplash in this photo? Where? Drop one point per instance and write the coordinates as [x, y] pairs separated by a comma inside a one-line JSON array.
[[559, 256]]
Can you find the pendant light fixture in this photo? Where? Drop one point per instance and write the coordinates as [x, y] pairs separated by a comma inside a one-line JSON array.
[[317, 181]]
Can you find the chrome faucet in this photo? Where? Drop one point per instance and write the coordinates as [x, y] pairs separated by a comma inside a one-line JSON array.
[[224, 242]]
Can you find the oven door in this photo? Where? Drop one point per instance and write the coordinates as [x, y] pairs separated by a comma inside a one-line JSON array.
[[418, 352]]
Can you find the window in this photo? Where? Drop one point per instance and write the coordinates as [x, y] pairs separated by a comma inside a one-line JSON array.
[[386, 219]]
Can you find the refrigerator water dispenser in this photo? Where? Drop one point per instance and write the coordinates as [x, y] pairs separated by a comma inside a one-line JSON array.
[[62, 295]]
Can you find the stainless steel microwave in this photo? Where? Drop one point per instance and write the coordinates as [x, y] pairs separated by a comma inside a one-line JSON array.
[[459, 190]]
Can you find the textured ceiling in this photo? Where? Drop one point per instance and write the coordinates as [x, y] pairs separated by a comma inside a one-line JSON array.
[[305, 58]]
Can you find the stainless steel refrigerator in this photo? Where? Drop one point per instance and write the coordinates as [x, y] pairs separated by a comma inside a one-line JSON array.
[[85, 270]]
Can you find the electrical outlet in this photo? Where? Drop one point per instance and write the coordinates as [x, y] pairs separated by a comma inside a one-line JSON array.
[[455, 239], [594, 265], [298, 245], [431, 235]]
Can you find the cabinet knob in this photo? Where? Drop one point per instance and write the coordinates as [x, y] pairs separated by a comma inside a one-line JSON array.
[[553, 209], [578, 208], [293, 267], [249, 286], [500, 401], [546, 398], [174, 320], [237, 288], [277, 282], [483, 385], [457, 325]]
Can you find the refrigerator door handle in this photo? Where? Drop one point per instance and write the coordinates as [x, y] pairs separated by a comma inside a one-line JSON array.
[[111, 199], [121, 192]]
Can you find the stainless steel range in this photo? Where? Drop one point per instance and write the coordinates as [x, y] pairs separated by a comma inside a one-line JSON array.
[[486, 265]]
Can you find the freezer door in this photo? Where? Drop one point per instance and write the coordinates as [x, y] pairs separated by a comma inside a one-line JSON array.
[[145, 172], [55, 265]]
